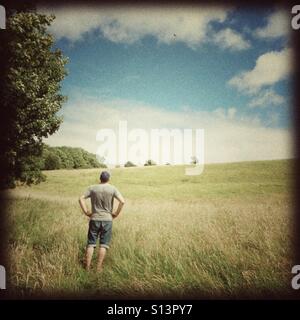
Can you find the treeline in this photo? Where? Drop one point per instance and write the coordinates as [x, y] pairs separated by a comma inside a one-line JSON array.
[[54, 158]]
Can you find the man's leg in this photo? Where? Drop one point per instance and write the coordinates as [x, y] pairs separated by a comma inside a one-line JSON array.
[[105, 237], [102, 253], [91, 244], [88, 257]]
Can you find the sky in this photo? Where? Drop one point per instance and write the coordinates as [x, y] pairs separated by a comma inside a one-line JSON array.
[[226, 70]]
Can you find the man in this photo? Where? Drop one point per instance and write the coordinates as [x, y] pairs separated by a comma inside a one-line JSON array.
[[102, 200]]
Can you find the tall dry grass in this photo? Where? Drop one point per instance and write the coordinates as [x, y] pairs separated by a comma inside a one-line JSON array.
[[229, 242]]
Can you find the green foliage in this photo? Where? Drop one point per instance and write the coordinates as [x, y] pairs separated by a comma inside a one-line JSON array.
[[30, 170], [30, 97], [54, 158], [129, 164], [52, 162]]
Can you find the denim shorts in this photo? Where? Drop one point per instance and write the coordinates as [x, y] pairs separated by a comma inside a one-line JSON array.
[[101, 230]]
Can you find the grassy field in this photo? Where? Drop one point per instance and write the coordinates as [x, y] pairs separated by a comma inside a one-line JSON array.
[[225, 233]]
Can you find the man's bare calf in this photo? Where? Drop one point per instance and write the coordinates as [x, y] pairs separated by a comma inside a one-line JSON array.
[[89, 256], [101, 256]]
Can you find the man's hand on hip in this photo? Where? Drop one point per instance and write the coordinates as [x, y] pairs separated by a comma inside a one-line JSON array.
[[88, 213]]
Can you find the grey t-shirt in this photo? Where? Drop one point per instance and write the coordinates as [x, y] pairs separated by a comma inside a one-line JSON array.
[[102, 200]]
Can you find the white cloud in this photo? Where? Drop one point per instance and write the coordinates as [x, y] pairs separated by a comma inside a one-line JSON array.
[[278, 25], [267, 98], [227, 137], [230, 39], [127, 24], [225, 113], [270, 68]]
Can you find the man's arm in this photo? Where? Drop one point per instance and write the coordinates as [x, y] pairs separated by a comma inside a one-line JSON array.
[[120, 205], [84, 207]]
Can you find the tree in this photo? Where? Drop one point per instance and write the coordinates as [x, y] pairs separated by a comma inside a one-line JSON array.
[[194, 160], [30, 94], [68, 158], [150, 163], [52, 162], [78, 158], [129, 164], [65, 163]]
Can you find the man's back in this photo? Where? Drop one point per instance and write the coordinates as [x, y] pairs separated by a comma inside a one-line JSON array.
[[102, 200]]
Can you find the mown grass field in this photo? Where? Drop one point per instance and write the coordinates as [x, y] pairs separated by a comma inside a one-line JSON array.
[[225, 233]]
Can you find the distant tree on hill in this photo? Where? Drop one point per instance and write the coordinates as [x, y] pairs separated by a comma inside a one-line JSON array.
[[52, 162], [54, 158], [63, 159], [67, 158], [78, 159], [194, 160], [129, 164], [150, 163]]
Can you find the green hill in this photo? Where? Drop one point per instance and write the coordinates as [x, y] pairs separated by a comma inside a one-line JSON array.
[[225, 233]]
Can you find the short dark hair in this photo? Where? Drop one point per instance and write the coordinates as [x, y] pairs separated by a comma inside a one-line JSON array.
[[104, 176]]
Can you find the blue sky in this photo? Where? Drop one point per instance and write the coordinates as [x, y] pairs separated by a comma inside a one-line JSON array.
[[230, 65]]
